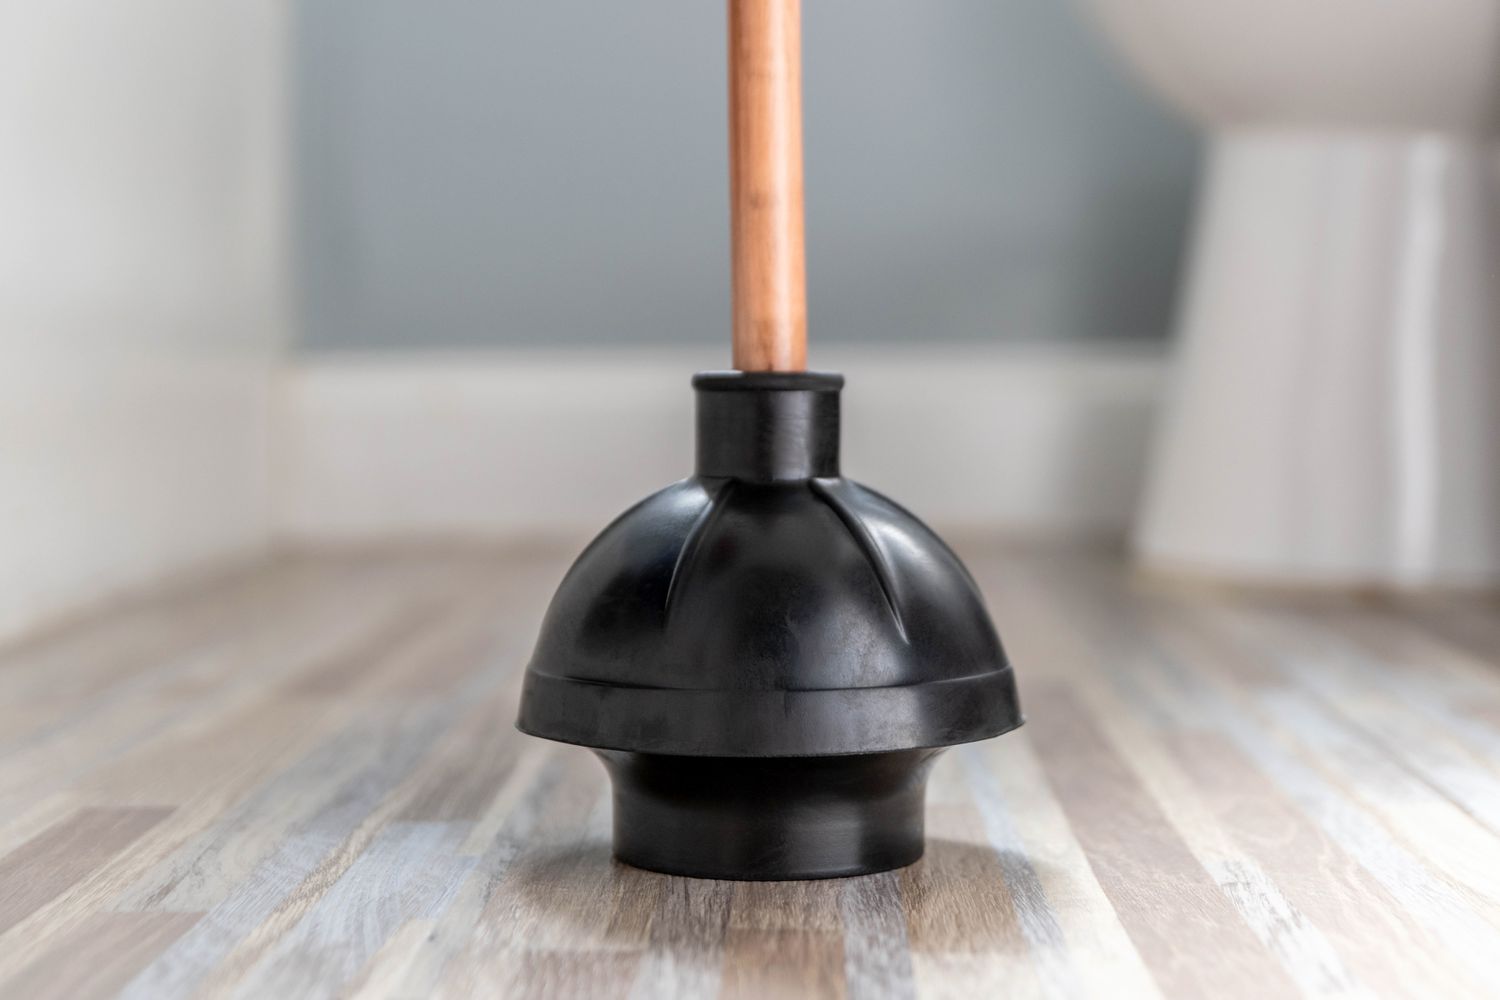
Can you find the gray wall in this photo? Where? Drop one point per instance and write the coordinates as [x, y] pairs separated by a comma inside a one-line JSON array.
[[490, 172]]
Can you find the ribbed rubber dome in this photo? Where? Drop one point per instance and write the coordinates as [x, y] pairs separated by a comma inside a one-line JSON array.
[[734, 618]]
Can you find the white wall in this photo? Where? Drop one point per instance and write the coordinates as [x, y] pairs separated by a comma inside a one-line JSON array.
[[142, 290]]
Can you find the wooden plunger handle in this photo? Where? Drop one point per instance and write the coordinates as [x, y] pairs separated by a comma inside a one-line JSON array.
[[765, 170]]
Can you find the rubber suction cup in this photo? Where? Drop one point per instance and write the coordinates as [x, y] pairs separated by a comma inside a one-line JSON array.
[[766, 655]]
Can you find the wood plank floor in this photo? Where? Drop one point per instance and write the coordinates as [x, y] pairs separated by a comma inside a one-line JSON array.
[[304, 782]]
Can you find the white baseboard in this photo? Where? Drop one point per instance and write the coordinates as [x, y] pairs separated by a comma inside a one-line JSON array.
[[1025, 439]]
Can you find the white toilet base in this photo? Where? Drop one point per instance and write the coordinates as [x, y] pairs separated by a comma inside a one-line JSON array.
[[1335, 413]]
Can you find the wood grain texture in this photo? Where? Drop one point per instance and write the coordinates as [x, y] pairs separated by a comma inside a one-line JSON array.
[[59, 857], [765, 185], [305, 782], [103, 953]]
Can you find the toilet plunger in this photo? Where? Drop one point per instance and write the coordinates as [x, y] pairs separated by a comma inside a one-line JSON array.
[[767, 656]]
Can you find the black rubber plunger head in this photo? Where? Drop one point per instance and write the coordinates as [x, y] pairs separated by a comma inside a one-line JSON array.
[[768, 656]]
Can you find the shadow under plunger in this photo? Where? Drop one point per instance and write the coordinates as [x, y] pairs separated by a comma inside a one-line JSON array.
[[768, 656]]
